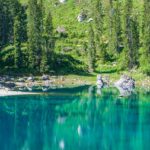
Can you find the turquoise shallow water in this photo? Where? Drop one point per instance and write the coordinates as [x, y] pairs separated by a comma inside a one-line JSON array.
[[76, 119]]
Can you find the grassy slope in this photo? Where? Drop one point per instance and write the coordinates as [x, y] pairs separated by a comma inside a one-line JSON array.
[[66, 15]]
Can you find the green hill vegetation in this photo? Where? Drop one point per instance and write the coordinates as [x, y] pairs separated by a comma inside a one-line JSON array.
[[77, 36]]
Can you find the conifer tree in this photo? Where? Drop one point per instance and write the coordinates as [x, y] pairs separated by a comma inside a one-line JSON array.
[[145, 57], [99, 30], [48, 45], [35, 30], [115, 30], [131, 36], [17, 35], [17, 42], [91, 50]]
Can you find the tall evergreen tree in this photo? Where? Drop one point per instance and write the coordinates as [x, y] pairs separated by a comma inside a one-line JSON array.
[[131, 36], [17, 42], [145, 57], [35, 29], [48, 45], [91, 50], [99, 30], [115, 30], [6, 22], [17, 35]]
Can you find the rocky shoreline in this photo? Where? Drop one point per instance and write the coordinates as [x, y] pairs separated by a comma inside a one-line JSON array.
[[25, 85]]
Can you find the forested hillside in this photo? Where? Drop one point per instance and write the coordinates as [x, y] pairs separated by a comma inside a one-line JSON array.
[[74, 36]]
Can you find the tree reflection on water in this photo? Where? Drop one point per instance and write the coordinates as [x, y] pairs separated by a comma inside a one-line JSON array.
[[75, 120]]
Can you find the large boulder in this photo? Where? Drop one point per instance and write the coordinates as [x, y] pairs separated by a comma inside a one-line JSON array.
[[125, 82], [81, 17], [31, 78], [45, 77], [100, 82]]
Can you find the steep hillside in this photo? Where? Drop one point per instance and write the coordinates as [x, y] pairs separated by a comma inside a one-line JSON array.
[[71, 23]]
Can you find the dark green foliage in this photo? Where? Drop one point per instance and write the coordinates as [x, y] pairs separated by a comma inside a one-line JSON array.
[[35, 29], [17, 42], [131, 37], [7, 13], [30, 40], [115, 30], [91, 50], [48, 44], [145, 57], [17, 36]]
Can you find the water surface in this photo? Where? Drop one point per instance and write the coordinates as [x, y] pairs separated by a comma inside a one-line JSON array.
[[76, 119]]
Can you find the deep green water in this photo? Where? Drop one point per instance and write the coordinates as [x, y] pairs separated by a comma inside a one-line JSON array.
[[76, 119]]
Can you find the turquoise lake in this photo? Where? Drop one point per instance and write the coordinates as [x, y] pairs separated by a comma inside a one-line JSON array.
[[82, 118]]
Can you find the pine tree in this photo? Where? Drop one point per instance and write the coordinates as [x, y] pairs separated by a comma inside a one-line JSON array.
[[115, 30], [17, 42], [145, 57], [131, 36], [17, 36], [99, 30], [6, 22], [35, 29], [91, 50], [48, 45]]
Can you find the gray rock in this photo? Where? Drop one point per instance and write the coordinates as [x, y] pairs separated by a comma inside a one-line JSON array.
[[61, 30], [21, 80], [81, 17], [125, 85], [100, 82], [30, 79], [45, 77]]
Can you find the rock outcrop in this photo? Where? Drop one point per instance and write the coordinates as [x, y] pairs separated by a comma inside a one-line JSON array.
[[125, 85], [100, 82], [125, 82]]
